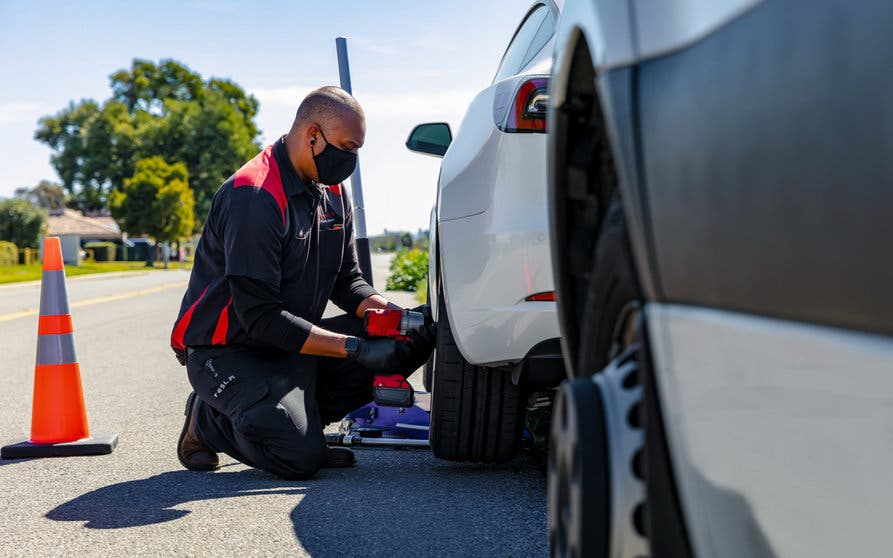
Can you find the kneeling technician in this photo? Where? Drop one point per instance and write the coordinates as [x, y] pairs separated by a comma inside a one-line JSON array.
[[268, 372]]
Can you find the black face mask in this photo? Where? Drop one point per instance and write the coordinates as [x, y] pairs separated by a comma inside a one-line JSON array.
[[333, 165]]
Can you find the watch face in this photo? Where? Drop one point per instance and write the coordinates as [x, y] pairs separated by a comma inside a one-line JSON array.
[[351, 344]]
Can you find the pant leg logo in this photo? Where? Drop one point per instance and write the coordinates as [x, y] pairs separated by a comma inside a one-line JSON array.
[[223, 385]]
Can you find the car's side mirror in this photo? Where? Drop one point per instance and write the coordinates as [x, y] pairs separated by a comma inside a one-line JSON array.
[[430, 139]]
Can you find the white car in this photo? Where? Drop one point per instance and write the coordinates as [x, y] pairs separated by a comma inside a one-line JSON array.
[[490, 275], [720, 191]]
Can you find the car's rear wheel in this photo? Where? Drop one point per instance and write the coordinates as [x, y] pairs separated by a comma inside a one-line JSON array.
[[477, 412]]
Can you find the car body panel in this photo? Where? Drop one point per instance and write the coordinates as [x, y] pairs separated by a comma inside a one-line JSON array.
[[792, 189], [668, 25], [505, 256], [467, 173], [779, 432]]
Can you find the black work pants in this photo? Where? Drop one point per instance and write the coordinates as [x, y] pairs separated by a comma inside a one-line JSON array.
[[267, 408]]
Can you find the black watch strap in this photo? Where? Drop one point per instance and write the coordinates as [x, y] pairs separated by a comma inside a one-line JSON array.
[[351, 346]]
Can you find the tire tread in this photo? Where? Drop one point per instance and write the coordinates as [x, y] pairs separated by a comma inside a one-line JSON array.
[[476, 412]]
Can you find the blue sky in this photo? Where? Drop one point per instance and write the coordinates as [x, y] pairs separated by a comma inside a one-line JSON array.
[[411, 61]]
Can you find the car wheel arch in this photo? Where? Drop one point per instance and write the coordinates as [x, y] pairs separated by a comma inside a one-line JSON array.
[[576, 84]]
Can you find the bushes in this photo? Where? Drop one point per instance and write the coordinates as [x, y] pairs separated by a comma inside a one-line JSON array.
[[9, 253], [21, 223], [408, 268], [102, 251]]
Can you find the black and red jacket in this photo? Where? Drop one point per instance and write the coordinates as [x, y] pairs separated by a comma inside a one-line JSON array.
[[272, 252]]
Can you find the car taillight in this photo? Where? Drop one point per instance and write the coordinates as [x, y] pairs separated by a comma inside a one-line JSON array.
[[528, 111], [542, 297]]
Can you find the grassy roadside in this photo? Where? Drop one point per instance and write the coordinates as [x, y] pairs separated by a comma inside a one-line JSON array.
[[17, 273]]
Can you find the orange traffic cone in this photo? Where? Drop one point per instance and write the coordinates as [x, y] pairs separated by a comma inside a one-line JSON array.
[[58, 416]]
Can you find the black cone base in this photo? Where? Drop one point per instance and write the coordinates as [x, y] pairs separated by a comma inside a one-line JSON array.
[[96, 445]]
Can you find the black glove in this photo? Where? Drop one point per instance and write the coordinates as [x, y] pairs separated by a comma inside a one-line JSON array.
[[421, 344], [381, 355], [424, 310]]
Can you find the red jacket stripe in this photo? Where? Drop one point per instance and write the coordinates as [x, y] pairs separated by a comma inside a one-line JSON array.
[[263, 172], [183, 323], [222, 328]]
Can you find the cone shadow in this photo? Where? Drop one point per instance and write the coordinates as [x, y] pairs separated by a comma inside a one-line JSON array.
[[149, 501]]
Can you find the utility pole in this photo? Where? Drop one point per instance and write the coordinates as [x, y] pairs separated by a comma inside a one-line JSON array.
[[356, 183]]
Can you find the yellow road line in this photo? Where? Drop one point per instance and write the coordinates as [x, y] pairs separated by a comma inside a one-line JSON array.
[[97, 300]]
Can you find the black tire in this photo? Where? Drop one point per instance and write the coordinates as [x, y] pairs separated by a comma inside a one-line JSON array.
[[612, 291], [477, 413], [578, 473]]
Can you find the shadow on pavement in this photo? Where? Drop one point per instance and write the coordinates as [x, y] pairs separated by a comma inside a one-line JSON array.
[[149, 501], [415, 505], [14, 461]]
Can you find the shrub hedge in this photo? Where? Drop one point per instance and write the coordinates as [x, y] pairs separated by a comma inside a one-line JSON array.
[[9, 253], [407, 268], [102, 251]]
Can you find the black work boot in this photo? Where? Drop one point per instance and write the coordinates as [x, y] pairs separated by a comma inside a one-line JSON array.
[[191, 451], [339, 457]]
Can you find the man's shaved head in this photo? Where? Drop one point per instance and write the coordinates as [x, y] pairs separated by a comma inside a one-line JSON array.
[[327, 116], [325, 104]]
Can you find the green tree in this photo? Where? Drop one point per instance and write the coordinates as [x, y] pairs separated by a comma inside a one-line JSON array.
[[155, 201], [46, 194], [21, 223], [162, 109]]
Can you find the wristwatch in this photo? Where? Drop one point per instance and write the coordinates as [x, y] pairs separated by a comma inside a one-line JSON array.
[[351, 346]]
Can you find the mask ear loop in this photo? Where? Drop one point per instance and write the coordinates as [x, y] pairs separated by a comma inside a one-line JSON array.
[[313, 153]]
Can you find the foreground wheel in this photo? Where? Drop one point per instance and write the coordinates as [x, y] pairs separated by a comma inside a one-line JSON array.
[[578, 497], [596, 492], [477, 413], [612, 302]]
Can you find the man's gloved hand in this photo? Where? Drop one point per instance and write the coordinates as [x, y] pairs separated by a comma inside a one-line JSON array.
[[381, 355], [421, 343]]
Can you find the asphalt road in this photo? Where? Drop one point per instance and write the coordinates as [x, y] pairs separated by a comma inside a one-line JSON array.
[[138, 501]]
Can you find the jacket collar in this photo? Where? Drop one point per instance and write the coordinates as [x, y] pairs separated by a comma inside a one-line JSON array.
[[291, 183]]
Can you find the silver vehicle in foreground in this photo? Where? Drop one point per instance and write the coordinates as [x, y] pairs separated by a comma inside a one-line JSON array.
[[721, 185]]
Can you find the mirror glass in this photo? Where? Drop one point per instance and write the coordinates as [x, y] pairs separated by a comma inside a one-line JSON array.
[[430, 139]]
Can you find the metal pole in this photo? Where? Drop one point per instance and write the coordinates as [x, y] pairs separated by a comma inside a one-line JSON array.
[[356, 183], [354, 440]]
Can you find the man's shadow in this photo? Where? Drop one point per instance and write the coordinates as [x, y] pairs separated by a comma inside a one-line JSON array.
[[149, 501], [418, 506]]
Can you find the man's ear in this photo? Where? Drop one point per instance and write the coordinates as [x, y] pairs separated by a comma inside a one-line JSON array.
[[312, 134]]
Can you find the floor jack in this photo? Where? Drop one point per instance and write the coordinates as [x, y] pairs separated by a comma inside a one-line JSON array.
[[398, 417]]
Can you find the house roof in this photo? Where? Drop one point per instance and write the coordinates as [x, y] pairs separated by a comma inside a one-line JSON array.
[[70, 221]]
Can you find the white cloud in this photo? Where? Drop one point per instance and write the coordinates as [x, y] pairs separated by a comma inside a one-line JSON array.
[[374, 46], [416, 104], [435, 41], [407, 104], [18, 112], [216, 6], [289, 95]]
